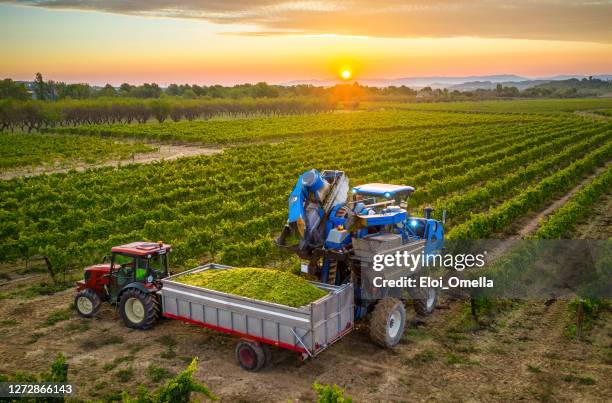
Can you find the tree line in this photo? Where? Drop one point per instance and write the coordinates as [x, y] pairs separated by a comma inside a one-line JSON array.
[[36, 115]]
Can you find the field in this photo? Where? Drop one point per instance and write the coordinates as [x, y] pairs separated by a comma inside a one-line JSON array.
[[503, 169], [22, 151]]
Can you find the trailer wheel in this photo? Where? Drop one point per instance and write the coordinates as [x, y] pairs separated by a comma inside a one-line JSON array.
[[387, 322], [87, 303], [138, 310], [250, 356], [424, 300]]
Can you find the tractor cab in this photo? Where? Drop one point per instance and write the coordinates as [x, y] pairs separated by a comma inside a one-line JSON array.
[[130, 279], [140, 261]]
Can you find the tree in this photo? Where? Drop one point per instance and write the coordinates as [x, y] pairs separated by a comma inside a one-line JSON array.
[[9, 89], [39, 87], [107, 91]]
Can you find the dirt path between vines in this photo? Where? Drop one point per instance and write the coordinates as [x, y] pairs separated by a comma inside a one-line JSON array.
[[534, 221], [166, 152]]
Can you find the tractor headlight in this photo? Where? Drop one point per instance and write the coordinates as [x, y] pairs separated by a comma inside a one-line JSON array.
[[150, 279], [387, 195], [414, 223]]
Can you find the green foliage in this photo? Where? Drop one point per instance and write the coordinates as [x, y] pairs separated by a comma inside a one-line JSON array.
[[57, 373], [20, 150], [37, 115], [211, 211], [124, 375], [480, 225], [9, 89], [591, 309], [157, 374], [330, 394], [57, 316], [261, 284], [578, 207], [177, 390], [259, 128]]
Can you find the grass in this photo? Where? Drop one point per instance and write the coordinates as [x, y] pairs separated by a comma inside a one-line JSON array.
[[455, 359], [124, 375], [424, 357], [168, 354], [416, 334], [42, 288], [56, 316], [34, 337], [92, 344], [533, 369], [582, 380], [158, 374], [117, 361], [80, 326], [166, 340]]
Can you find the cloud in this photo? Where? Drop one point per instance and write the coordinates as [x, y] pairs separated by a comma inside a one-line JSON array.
[[522, 19]]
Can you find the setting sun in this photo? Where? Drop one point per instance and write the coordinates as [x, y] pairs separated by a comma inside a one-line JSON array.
[[346, 74]]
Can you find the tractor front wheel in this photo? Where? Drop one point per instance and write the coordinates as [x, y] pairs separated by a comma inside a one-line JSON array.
[[388, 322], [87, 303], [139, 310]]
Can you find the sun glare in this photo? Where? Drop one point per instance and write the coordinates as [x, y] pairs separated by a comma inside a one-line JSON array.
[[346, 74]]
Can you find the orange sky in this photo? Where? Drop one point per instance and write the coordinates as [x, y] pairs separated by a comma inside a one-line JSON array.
[[213, 42]]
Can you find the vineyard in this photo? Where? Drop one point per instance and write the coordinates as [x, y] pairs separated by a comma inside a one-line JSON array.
[[492, 166], [210, 210], [18, 150], [249, 130]]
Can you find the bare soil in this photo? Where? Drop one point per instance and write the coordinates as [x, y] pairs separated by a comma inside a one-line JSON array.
[[599, 224], [166, 152], [523, 356]]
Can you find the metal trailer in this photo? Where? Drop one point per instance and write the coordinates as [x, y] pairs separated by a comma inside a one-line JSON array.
[[307, 330]]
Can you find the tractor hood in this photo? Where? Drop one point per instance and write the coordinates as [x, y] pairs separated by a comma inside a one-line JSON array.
[[102, 267]]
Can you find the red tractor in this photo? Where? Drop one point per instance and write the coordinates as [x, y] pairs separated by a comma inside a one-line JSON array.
[[131, 280]]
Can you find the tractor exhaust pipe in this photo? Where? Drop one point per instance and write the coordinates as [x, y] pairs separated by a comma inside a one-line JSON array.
[[427, 212]]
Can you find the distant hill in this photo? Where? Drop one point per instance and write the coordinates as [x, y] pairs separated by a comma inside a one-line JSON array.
[[461, 83], [415, 82], [488, 85], [572, 87]]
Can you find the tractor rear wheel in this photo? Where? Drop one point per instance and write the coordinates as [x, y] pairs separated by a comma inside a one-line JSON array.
[[387, 322], [87, 303], [250, 355], [424, 300], [139, 310]]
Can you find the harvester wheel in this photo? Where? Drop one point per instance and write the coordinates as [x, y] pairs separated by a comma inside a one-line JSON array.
[[139, 310], [424, 300], [87, 303], [250, 356], [387, 322]]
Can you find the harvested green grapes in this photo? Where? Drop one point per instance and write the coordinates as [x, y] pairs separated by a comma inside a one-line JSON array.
[[261, 284]]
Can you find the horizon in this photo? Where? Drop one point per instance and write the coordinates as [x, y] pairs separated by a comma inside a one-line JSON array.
[[331, 81], [278, 42]]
